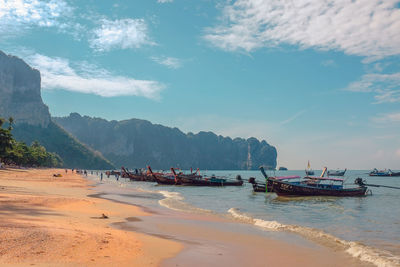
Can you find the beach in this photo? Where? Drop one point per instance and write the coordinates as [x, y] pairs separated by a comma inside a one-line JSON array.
[[51, 221], [58, 221]]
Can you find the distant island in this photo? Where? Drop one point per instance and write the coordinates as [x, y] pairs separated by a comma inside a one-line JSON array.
[[282, 168]]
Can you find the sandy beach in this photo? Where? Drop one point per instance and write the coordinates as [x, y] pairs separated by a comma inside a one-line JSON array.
[[50, 221], [57, 221]]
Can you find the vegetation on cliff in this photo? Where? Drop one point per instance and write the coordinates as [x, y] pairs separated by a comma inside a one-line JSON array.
[[14, 152], [73, 153]]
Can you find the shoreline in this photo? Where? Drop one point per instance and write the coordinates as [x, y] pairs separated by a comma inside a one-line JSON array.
[[69, 216]]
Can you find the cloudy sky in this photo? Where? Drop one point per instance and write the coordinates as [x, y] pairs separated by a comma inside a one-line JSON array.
[[320, 80]]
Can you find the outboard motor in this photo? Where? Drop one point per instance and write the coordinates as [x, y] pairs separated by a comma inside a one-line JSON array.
[[359, 181], [238, 177], [252, 180]]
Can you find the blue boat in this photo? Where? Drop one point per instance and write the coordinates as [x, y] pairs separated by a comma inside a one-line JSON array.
[[384, 173]]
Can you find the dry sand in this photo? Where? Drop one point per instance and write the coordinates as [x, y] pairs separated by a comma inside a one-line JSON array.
[[49, 221]]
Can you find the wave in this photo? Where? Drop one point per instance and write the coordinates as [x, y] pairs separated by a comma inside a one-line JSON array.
[[357, 250], [175, 201]]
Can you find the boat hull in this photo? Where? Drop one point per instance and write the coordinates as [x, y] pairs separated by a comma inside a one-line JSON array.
[[166, 181], [203, 182], [334, 173], [288, 189], [385, 174]]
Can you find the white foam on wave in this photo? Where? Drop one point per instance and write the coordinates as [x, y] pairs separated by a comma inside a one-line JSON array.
[[357, 250], [175, 201]]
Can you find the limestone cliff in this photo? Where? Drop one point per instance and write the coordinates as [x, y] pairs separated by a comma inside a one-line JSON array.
[[20, 98], [136, 143], [20, 92]]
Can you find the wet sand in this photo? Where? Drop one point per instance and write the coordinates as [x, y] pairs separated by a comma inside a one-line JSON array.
[[213, 240]]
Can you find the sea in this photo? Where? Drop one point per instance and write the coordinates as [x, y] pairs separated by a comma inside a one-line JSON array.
[[367, 227]]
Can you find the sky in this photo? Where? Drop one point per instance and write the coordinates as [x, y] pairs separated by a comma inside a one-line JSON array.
[[319, 80]]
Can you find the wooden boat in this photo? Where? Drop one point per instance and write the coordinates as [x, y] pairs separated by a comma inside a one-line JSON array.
[[138, 175], [389, 172], [337, 173], [186, 178], [312, 186], [196, 180], [257, 187], [260, 187], [163, 178]]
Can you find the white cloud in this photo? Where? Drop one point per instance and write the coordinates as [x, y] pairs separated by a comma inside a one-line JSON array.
[[295, 116], [170, 62], [17, 16], [387, 118], [165, 1], [120, 34], [363, 28], [386, 87], [59, 73]]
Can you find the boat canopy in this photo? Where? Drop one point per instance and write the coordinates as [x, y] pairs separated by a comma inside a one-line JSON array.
[[324, 178], [286, 177]]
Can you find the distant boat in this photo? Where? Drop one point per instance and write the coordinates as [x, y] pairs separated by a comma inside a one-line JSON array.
[[309, 171], [376, 172], [337, 173], [282, 168]]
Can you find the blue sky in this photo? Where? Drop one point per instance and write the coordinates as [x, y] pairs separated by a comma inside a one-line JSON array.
[[320, 80]]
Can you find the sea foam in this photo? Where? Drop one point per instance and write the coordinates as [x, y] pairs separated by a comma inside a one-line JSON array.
[[175, 201], [362, 252]]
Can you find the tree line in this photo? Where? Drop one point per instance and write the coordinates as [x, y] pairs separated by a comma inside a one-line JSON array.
[[18, 153]]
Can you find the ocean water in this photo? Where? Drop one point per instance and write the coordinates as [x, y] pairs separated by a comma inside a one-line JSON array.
[[365, 227]]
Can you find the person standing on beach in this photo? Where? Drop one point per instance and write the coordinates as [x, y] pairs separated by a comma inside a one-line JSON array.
[[101, 176]]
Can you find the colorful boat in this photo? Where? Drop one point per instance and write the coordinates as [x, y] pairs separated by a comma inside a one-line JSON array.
[[314, 186], [389, 172]]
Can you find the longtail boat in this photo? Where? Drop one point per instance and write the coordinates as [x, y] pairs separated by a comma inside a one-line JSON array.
[[313, 186], [337, 173], [385, 173], [163, 178], [137, 175], [267, 187], [206, 181]]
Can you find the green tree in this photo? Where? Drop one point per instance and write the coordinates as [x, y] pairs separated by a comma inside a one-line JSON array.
[[5, 138], [12, 151]]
